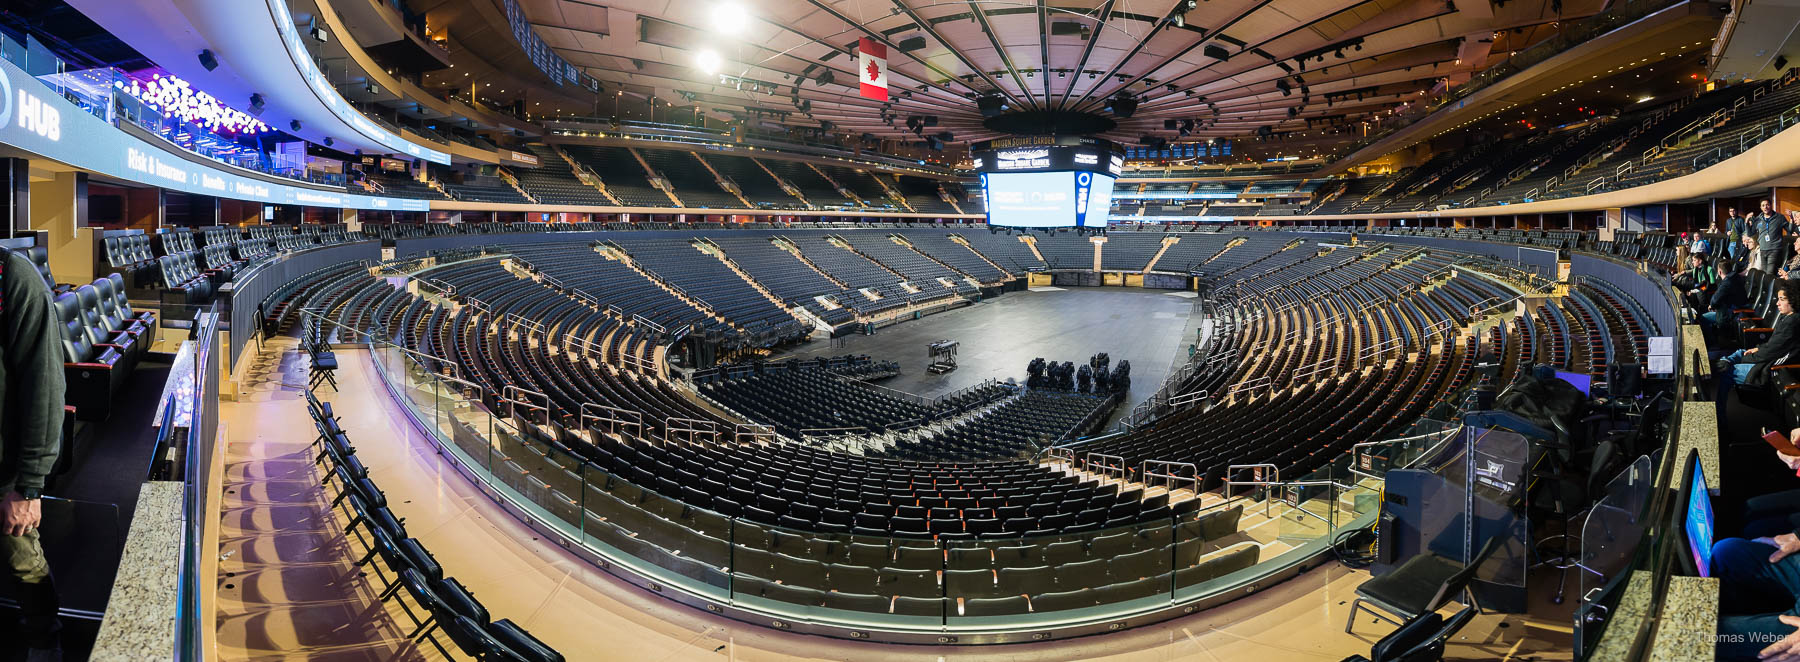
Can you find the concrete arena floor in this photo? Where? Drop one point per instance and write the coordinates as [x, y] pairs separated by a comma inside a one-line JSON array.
[[999, 336]]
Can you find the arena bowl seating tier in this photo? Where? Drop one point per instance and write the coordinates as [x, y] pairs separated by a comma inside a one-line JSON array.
[[976, 524]]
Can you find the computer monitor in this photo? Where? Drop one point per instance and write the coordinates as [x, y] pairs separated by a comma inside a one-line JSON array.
[[1696, 517], [1581, 381]]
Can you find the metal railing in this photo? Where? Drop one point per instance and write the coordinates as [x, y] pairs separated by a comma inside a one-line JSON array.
[[616, 420], [1092, 461], [1189, 398], [753, 433], [1369, 462], [691, 430], [512, 396], [1324, 366], [1250, 386], [1147, 474]]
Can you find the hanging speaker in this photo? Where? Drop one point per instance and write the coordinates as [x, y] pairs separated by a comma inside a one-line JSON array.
[[208, 60], [1216, 52], [990, 106], [1123, 107]]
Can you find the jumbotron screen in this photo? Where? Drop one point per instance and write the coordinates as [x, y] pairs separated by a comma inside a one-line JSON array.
[[1047, 199], [1047, 182]]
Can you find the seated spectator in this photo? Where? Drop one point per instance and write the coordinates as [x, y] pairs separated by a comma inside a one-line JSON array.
[[1729, 293], [1791, 269], [1771, 515], [1750, 366], [1698, 282], [1759, 598]]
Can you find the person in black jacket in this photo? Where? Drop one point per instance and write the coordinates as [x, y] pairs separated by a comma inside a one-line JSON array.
[[1733, 274], [31, 410], [1737, 367]]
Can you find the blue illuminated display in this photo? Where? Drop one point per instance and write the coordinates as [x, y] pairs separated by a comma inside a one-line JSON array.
[[1047, 199], [44, 123], [1700, 523]]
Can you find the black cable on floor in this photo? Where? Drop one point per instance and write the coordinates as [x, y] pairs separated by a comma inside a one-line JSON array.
[[1355, 548]]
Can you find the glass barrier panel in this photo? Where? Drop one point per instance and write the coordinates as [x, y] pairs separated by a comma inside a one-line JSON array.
[[1218, 536], [1306, 507], [1613, 528], [1498, 463], [891, 581], [630, 519], [1045, 580]]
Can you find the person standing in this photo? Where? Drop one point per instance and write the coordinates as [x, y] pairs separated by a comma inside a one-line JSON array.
[[1770, 230], [1734, 226], [31, 411]]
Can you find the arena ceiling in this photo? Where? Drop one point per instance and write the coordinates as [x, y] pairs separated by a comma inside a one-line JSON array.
[[1230, 66]]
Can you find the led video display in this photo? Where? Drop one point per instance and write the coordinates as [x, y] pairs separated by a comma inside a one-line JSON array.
[[1047, 199], [1030, 199]]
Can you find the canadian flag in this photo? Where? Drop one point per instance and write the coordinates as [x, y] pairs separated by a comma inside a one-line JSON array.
[[872, 67]]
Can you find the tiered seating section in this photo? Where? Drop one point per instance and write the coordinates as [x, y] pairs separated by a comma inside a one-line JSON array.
[[1348, 343], [806, 397]]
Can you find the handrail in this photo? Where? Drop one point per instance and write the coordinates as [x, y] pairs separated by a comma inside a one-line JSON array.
[[752, 433], [479, 391], [1434, 329], [808, 432], [1323, 366], [1360, 451], [693, 427], [508, 392], [620, 418], [1259, 472], [1066, 455], [1091, 460], [1380, 349], [1193, 478], [1262, 382], [1189, 398], [640, 319]]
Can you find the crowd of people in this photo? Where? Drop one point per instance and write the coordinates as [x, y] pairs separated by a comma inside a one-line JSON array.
[[1758, 569]]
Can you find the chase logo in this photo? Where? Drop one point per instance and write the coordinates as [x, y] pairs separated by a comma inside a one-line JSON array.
[[34, 115], [6, 96]]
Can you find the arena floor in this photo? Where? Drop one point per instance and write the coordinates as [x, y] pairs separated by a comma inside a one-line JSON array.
[[999, 336]]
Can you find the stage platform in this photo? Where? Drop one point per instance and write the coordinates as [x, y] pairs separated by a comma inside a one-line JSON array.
[[999, 336]]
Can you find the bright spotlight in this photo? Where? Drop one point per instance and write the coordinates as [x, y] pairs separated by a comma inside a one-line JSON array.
[[730, 18], [708, 61]]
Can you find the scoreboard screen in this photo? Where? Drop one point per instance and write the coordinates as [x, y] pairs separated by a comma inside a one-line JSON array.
[[1047, 199], [1049, 185]]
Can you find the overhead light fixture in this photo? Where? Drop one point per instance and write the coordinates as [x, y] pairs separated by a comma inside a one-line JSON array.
[[708, 61], [729, 18]]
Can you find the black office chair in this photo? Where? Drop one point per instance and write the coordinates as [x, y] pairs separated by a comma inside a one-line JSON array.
[[1421, 640], [1420, 586]]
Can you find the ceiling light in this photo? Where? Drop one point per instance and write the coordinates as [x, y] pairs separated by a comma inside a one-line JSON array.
[[729, 18], [708, 61]]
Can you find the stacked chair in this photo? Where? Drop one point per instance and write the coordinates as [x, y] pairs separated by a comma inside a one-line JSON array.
[[444, 604], [318, 352]]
